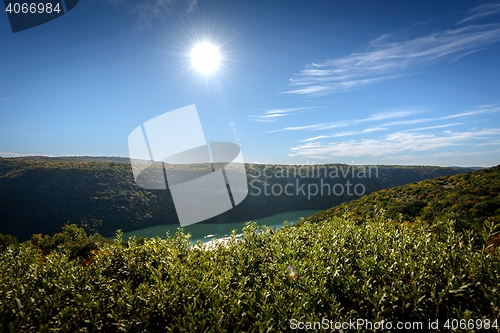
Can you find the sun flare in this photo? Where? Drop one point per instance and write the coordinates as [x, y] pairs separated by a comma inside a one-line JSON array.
[[205, 57]]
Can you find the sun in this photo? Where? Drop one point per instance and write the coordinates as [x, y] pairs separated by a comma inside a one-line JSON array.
[[205, 58]]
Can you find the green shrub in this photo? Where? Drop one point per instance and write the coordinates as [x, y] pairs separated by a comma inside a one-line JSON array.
[[6, 240], [376, 270], [73, 240]]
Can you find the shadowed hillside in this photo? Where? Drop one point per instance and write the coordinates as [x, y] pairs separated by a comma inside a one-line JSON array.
[[41, 194]]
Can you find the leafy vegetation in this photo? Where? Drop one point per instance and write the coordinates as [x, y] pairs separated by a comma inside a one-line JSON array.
[[376, 270], [6, 240], [41, 194], [73, 241], [472, 199]]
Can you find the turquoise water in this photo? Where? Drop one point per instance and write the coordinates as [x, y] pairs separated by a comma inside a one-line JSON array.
[[207, 232]]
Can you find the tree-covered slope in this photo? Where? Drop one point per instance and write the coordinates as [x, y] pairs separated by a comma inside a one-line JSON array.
[[472, 198], [41, 194]]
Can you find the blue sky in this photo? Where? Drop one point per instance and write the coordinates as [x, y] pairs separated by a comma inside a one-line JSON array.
[[362, 82]]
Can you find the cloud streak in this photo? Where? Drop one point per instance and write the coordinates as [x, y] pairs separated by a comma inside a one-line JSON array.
[[404, 142], [392, 144], [481, 11], [273, 115], [345, 123], [486, 109], [387, 58], [146, 11]]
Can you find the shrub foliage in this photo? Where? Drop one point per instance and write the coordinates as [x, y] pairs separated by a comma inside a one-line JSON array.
[[377, 270]]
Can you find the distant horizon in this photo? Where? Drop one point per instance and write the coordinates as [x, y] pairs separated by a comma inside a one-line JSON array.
[[266, 163]]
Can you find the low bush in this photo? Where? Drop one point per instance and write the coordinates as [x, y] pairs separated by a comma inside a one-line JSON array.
[[377, 270]]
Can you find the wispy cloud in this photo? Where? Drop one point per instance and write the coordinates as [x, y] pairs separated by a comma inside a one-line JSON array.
[[316, 138], [317, 127], [400, 158], [394, 143], [481, 11], [335, 135], [270, 116], [468, 153], [390, 115], [390, 56], [345, 123], [480, 110], [146, 11], [191, 5], [318, 88], [490, 143], [374, 129], [466, 54], [409, 122], [317, 142], [348, 133], [433, 127]]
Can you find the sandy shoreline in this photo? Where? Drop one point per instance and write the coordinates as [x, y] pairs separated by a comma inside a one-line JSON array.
[[218, 241]]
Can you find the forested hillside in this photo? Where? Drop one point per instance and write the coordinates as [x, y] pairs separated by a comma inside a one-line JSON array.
[[473, 196], [472, 199], [41, 194]]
